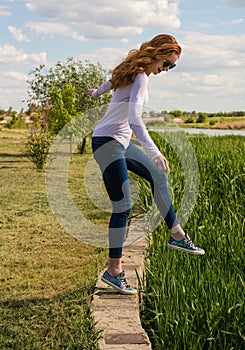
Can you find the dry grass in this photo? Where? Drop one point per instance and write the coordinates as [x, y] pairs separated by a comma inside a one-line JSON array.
[[231, 125], [41, 265]]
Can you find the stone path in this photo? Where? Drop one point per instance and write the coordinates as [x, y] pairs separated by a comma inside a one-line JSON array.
[[117, 315]]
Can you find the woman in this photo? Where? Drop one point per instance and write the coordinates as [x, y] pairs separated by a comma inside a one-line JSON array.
[[116, 154]]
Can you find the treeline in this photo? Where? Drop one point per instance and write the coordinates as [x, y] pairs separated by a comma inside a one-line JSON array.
[[194, 117], [12, 115], [194, 114]]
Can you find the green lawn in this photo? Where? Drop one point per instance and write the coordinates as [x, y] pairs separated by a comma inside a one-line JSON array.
[[47, 277]]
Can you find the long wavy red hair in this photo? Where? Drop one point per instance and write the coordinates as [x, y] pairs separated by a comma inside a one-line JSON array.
[[160, 47]]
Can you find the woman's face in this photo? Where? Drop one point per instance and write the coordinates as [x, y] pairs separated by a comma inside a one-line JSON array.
[[162, 65]]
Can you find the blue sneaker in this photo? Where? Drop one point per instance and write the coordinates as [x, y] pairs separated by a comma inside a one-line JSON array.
[[118, 282], [185, 245]]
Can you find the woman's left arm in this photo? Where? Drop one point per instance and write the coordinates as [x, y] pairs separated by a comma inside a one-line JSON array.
[[136, 103]]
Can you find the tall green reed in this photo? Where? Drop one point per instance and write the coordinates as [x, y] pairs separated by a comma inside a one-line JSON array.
[[193, 302]]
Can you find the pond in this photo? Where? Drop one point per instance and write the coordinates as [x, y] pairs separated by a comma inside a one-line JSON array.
[[209, 132]]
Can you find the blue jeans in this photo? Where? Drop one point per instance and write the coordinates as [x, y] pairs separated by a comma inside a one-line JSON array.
[[114, 162]]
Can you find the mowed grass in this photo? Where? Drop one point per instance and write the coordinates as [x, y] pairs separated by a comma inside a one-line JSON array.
[[46, 276], [197, 302]]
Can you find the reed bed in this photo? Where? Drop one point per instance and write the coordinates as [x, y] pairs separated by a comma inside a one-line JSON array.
[[197, 302]]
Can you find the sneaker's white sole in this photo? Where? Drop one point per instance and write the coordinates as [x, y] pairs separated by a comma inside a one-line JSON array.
[[193, 252], [122, 291]]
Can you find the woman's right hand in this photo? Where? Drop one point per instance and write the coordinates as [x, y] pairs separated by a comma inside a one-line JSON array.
[[89, 91]]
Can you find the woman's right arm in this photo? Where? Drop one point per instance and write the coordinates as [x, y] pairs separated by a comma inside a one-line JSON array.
[[102, 89]]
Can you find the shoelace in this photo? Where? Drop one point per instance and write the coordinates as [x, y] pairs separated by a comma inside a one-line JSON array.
[[189, 241], [123, 280]]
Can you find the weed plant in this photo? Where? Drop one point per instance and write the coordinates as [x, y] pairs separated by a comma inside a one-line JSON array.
[[197, 302]]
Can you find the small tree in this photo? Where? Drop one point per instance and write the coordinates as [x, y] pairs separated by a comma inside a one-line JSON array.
[[176, 113], [202, 117], [17, 122], [81, 75], [2, 112], [58, 94], [63, 107], [37, 147]]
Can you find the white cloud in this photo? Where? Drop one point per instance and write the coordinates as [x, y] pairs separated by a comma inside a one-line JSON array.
[[209, 76], [111, 19], [234, 22], [4, 11], [106, 31], [17, 76], [200, 92], [203, 52], [212, 80], [9, 96], [237, 21], [13, 80], [47, 27], [210, 69], [234, 3], [50, 29], [17, 34], [77, 37], [205, 25], [13, 89], [9, 55], [107, 57]]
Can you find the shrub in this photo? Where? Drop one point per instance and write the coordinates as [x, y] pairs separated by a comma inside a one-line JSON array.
[[190, 120], [212, 122], [17, 122], [37, 146], [202, 117]]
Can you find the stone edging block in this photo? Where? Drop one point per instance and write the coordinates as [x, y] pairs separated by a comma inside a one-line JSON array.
[[117, 315]]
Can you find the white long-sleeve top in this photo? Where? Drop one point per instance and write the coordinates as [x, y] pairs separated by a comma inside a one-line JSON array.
[[124, 114]]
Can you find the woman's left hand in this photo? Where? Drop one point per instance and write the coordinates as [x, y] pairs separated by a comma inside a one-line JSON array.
[[161, 163]]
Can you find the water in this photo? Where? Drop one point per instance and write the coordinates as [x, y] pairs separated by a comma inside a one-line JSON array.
[[209, 132]]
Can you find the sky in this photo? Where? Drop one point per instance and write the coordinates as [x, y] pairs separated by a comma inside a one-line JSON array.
[[209, 76]]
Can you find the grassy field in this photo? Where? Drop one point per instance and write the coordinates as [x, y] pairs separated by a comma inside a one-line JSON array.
[[47, 277], [197, 303]]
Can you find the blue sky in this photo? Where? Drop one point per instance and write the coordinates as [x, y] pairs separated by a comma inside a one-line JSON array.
[[209, 77]]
